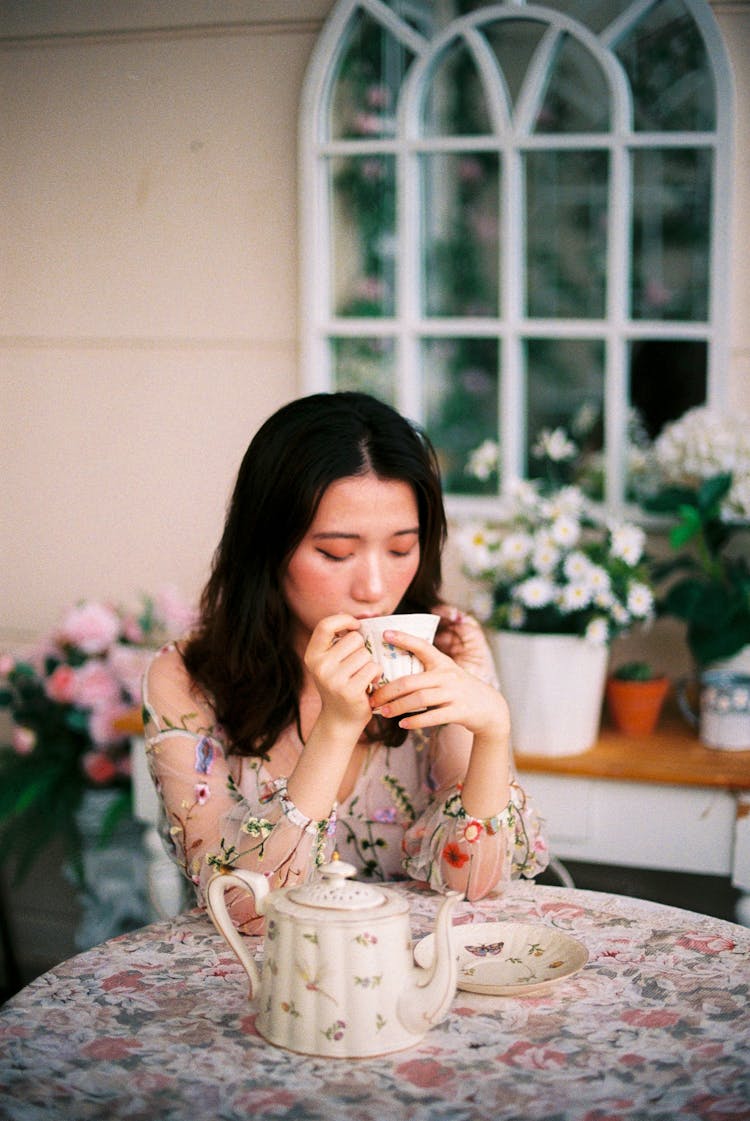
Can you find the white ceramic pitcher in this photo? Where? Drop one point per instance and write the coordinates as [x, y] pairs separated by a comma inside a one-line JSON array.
[[338, 973]]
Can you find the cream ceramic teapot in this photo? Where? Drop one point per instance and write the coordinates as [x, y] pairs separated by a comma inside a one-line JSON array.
[[338, 974]]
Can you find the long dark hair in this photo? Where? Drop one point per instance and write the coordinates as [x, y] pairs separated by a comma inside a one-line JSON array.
[[242, 655]]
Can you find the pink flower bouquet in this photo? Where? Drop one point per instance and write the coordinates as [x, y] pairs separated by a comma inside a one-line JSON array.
[[66, 700]]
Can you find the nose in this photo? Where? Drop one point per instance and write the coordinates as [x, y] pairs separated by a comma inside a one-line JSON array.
[[368, 583]]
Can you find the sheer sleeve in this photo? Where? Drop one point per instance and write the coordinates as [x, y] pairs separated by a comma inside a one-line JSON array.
[[450, 849], [220, 811]]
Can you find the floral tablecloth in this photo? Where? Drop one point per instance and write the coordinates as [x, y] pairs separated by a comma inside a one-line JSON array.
[[156, 1025]]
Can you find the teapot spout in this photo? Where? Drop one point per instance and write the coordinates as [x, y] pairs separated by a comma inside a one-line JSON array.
[[427, 1001]]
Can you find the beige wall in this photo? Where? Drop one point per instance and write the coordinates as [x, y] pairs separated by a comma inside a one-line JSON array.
[[148, 311]]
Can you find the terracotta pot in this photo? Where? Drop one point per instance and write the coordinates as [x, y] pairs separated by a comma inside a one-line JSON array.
[[635, 706]]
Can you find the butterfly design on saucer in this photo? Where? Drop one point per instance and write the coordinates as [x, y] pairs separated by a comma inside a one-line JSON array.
[[486, 949]]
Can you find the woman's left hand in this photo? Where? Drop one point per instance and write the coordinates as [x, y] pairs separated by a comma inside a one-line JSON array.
[[447, 692]]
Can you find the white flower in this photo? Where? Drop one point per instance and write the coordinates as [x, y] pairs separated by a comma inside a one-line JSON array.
[[516, 547], [703, 443], [577, 565], [516, 616], [640, 601], [545, 555], [627, 542], [535, 592], [568, 500], [619, 613], [599, 580], [554, 444], [476, 546], [523, 495], [597, 632], [574, 597], [484, 460], [481, 604], [565, 531], [585, 419], [604, 598]]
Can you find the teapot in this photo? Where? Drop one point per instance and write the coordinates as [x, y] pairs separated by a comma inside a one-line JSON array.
[[338, 976]]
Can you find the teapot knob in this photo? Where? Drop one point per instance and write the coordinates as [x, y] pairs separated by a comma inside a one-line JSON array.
[[337, 867]]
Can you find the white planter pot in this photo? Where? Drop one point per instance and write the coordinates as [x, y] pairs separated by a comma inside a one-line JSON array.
[[554, 686]]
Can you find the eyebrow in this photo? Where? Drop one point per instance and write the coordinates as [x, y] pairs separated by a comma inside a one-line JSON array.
[[356, 536]]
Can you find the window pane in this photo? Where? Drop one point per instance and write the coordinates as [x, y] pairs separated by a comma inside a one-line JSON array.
[[455, 104], [514, 42], [460, 219], [577, 95], [565, 389], [671, 226], [669, 71], [363, 217], [461, 386], [367, 365], [667, 377], [566, 230], [594, 14], [367, 83]]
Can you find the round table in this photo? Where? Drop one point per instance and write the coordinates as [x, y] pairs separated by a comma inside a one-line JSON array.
[[157, 1025]]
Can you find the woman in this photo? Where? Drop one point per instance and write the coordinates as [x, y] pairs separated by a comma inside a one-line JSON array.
[[268, 738]]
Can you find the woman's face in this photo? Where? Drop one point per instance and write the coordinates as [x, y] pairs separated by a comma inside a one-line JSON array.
[[359, 555]]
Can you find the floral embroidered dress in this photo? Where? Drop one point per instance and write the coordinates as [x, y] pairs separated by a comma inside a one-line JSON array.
[[403, 818]]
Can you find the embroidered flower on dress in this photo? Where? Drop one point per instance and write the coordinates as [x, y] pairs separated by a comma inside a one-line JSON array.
[[452, 855], [202, 793], [257, 827], [204, 756], [473, 830]]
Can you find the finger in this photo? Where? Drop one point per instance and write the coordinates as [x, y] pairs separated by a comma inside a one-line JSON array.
[[331, 627], [425, 651]]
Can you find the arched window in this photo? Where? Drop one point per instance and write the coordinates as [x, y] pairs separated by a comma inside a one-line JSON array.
[[514, 217]]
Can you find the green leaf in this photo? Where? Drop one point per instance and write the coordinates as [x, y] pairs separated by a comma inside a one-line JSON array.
[[687, 528], [712, 492]]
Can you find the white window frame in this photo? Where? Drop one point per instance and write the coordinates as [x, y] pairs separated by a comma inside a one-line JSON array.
[[617, 329]]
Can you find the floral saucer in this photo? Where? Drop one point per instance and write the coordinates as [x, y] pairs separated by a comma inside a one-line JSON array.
[[509, 958]]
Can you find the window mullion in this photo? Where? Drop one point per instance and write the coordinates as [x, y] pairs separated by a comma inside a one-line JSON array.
[[513, 288]]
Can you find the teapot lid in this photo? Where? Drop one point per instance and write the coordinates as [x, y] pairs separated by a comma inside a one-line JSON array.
[[335, 891]]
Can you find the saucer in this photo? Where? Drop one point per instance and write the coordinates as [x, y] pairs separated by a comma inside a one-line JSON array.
[[509, 958]]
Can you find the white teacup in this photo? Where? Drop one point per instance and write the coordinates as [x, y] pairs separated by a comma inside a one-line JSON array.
[[393, 661]]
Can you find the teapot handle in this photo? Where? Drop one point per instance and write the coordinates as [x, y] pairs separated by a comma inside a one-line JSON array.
[[216, 905]]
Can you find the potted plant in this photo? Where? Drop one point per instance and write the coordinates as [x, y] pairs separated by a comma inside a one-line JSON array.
[[557, 585], [704, 464], [635, 696], [66, 767]]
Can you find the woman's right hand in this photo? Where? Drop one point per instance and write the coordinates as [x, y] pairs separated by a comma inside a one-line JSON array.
[[342, 669]]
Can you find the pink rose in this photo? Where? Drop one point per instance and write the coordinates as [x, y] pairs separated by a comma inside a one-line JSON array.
[[95, 686], [132, 629], [102, 724], [60, 686], [91, 627], [174, 612], [128, 664], [23, 740], [99, 767], [7, 665]]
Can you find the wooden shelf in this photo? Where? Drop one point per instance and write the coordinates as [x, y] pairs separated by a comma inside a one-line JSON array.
[[672, 754]]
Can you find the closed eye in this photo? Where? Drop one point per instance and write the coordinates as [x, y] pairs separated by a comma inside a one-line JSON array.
[[332, 556]]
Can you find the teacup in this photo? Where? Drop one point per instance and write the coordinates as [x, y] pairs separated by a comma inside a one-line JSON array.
[[395, 662], [724, 719]]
